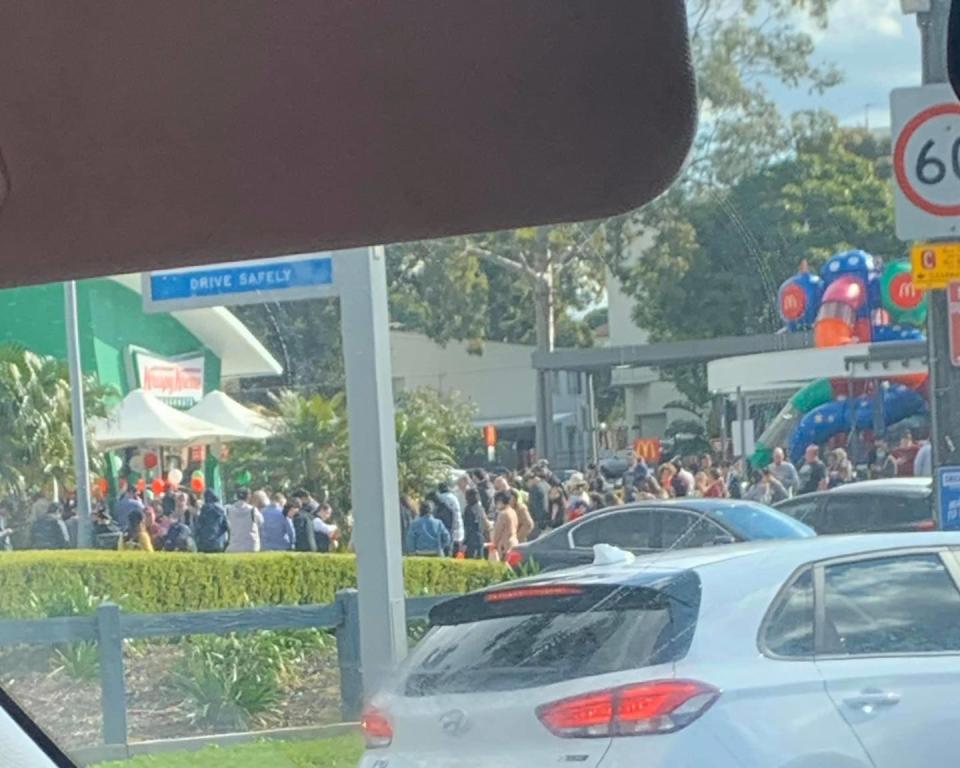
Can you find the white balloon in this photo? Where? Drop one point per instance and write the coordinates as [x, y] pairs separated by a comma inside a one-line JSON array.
[[174, 476], [136, 463]]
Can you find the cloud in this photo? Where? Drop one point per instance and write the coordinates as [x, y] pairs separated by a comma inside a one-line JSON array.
[[859, 19]]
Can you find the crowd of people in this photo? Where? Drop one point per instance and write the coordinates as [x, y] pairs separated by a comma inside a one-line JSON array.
[[485, 516], [181, 521], [477, 515]]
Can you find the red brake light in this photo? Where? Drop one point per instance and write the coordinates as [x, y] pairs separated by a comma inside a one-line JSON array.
[[661, 706], [925, 525], [546, 590], [514, 558], [377, 731]]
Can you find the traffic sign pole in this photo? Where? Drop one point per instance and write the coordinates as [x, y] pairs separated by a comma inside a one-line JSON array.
[[358, 277], [944, 377]]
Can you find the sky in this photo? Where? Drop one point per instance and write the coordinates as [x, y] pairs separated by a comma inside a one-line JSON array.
[[876, 47]]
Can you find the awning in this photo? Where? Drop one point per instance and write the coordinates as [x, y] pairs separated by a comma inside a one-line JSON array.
[[773, 371], [223, 411], [143, 420], [519, 422]]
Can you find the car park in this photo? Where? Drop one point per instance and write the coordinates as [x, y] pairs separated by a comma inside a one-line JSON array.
[[835, 652], [871, 506], [657, 525]]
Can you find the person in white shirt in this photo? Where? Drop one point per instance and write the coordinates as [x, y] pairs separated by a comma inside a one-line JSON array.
[[245, 522], [923, 461], [785, 472], [456, 531]]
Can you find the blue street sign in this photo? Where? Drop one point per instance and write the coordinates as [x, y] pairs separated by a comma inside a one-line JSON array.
[[948, 481], [286, 278]]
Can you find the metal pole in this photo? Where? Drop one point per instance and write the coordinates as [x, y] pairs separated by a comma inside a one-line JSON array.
[[742, 423], [944, 378], [81, 464], [594, 441], [361, 275]]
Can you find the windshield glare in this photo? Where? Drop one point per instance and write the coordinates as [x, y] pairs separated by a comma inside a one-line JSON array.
[[755, 522]]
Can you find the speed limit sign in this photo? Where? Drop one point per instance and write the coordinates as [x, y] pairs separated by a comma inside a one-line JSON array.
[[926, 162]]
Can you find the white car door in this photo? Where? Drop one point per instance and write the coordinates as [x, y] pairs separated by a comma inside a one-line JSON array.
[[888, 647]]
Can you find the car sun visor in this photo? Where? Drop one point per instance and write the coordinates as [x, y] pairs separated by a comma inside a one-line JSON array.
[[141, 134]]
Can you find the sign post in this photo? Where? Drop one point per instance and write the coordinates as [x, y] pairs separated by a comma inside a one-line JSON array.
[[81, 463], [953, 308], [925, 124], [358, 278], [948, 495]]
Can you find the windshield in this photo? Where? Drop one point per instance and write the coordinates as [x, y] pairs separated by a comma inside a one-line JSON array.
[[235, 497], [755, 522]]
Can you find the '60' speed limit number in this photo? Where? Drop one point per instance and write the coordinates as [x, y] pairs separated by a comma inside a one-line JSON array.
[[926, 162]]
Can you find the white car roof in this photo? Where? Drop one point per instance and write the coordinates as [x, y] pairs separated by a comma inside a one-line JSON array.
[[917, 484], [792, 553]]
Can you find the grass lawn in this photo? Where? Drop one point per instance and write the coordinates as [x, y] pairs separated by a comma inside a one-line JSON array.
[[338, 752]]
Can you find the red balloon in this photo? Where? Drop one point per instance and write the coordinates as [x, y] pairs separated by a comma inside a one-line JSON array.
[[157, 486], [197, 484], [150, 460]]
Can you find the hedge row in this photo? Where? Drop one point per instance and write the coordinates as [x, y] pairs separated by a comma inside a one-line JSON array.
[[186, 582]]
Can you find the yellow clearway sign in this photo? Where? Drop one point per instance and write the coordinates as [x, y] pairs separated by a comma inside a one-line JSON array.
[[935, 264]]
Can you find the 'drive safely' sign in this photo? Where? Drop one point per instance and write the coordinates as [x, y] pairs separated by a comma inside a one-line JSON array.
[[282, 279]]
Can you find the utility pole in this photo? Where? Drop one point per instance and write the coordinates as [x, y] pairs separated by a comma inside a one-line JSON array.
[[81, 463]]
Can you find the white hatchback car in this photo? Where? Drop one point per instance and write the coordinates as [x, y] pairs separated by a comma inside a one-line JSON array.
[[840, 652]]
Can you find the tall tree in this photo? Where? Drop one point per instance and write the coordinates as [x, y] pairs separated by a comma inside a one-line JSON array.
[[715, 266], [740, 48], [718, 259]]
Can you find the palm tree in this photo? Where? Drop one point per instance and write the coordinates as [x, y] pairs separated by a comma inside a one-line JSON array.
[[36, 440]]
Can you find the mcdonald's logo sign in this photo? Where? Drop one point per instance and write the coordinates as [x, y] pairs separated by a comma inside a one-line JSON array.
[[648, 449]]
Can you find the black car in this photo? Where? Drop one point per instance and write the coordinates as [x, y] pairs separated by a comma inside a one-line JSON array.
[[872, 506], [652, 526]]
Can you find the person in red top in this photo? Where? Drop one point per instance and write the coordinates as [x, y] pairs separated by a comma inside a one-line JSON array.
[[716, 489]]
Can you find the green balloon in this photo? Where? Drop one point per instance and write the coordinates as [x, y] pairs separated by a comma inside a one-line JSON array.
[[901, 298], [761, 457], [814, 394], [243, 477]]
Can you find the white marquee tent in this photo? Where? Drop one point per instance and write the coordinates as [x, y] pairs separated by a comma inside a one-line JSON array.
[[143, 420], [223, 411]]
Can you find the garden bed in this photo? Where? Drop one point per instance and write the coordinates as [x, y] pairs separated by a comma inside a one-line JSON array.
[[66, 702]]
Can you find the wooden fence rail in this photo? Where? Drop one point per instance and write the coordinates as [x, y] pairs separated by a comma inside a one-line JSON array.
[[109, 626]]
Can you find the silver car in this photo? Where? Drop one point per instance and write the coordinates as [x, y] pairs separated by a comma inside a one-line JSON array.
[[839, 652]]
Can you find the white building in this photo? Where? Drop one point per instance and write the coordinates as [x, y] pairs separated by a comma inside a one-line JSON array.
[[645, 395], [500, 382]]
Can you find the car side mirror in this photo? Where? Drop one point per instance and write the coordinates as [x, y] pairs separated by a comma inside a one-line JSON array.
[[723, 539]]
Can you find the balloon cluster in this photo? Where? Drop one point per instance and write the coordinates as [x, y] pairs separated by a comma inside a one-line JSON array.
[[855, 298]]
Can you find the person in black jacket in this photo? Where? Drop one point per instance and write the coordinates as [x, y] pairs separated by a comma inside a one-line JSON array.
[[539, 500], [407, 516], [305, 540], [212, 529], [49, 531], [485, 491], [473, 519]]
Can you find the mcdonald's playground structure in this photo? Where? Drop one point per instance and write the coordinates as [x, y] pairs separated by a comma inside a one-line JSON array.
[[855, 299]]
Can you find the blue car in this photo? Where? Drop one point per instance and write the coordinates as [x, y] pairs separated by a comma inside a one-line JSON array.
[[654, 526]]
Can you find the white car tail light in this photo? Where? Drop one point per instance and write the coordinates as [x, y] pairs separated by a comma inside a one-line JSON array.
[[660, 706], [376, 727]]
